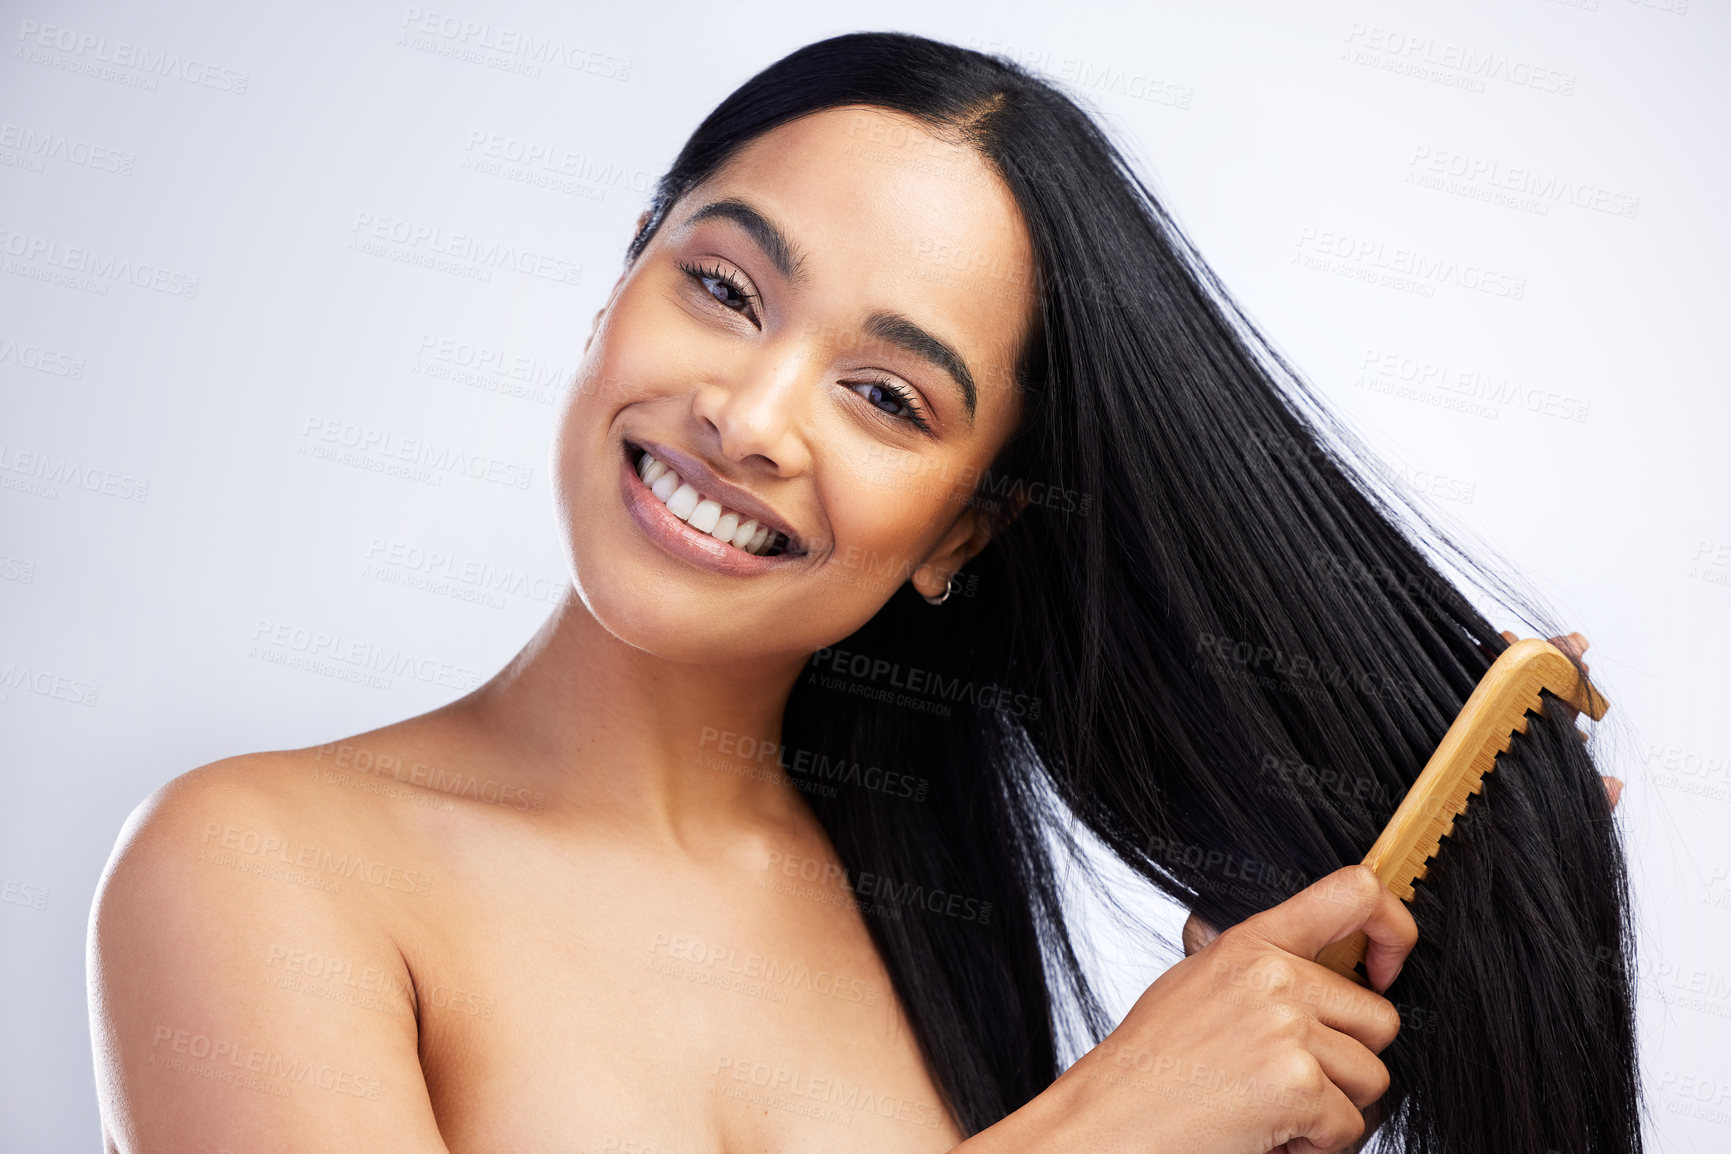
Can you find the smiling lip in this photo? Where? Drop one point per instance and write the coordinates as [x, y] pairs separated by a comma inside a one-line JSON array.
[[680, 539], [706, 481]]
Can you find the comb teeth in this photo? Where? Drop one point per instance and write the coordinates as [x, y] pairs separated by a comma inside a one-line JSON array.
[[1497, 710], [1452, 798]]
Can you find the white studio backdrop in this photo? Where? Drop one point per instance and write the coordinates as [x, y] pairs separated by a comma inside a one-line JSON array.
[[236, 238]]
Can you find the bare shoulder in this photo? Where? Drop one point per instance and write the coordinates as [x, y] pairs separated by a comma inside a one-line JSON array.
[[208, 1026], [251, 788], [231, 826]]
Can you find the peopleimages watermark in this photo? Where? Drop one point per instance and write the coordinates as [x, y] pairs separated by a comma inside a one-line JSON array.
[[1398, 266], [34, 147], [752, 974], [1260, 877], [1220, 653], [45, 472], [270, 635], [489, 369], [912, 686], [235, 847], [122, 61], [1353, 571], [1483, 176], [833, 1099], [1711, 562], [453, 783], [88, 269], [889, 894], [1688, 771], [16, 676], [550, 166], [1461, 388], [41, 359], [471, 579], [982, 488], [465, 254], [329, 438], [17, 893], [1138, 85], [340, 980], [251, 1067], [860, 568], [813, 768], [504, 48], [1447, 62], [1298, 780]]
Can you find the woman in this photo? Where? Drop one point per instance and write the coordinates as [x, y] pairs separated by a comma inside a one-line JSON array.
[[917, 482]]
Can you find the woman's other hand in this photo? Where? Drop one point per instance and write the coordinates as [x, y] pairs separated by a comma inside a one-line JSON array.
[[1197, 933], [1575, 645], [1246, 1045]]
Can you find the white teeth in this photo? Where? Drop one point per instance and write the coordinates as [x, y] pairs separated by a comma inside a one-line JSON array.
[[705, 514], [683, 501], [704, 517]]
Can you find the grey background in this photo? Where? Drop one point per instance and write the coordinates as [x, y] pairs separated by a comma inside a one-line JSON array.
[[158, 513]]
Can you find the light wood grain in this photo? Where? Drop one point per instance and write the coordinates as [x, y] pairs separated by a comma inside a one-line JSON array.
[[1496, 709]]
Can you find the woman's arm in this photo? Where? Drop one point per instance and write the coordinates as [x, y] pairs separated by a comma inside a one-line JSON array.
[[209, 1031], [1247, 1045]]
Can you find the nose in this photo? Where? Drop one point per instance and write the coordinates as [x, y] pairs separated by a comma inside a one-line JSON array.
[[758, 412]]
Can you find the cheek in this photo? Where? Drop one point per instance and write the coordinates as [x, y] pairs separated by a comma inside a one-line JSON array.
[[578, 440], [884, 524]]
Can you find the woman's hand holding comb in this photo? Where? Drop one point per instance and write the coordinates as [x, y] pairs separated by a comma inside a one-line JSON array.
[[1247, 1045], [1197, 934]]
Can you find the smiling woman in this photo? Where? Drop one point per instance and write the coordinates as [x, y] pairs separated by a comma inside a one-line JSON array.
[[766, 327], [898, 322]]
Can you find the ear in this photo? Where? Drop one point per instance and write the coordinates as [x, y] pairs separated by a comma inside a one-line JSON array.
[[970, 533], [595, 322]]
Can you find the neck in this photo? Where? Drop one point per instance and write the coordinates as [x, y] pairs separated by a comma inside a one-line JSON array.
[[645, 740]]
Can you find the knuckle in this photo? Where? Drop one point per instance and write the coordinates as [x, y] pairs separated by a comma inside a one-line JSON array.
[[1338, 1127], [1379, 1080], [1406, 926], [1362, 886], [1384, 1022], [1273, 973], [1300, 1073], [1234, 938]]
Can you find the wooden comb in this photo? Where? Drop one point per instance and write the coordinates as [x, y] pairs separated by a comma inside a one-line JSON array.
[[1497, 708]]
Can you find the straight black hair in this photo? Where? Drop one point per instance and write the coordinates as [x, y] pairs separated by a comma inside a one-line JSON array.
[[1218, 638]]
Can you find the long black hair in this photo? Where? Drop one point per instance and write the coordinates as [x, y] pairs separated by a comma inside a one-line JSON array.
[[1209, 636]]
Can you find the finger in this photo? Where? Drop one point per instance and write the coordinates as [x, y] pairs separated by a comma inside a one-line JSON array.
[[1305, 1146], [1197, 934], [1341, 1005], [1345, 902], [1574, 644], [1337, 1123], [1358, 1073], [1613, 789]]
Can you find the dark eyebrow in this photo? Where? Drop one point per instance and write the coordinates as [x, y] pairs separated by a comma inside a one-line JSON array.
[[903, 333], [892, 327], [786, 256]]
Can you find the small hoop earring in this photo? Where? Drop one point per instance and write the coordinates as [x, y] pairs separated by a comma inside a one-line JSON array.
[[949, 588]]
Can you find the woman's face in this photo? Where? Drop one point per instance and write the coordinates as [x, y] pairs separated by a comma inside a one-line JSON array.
[[821, 339]]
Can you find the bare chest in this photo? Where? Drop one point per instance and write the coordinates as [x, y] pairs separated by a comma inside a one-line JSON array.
[[647, 1013]]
